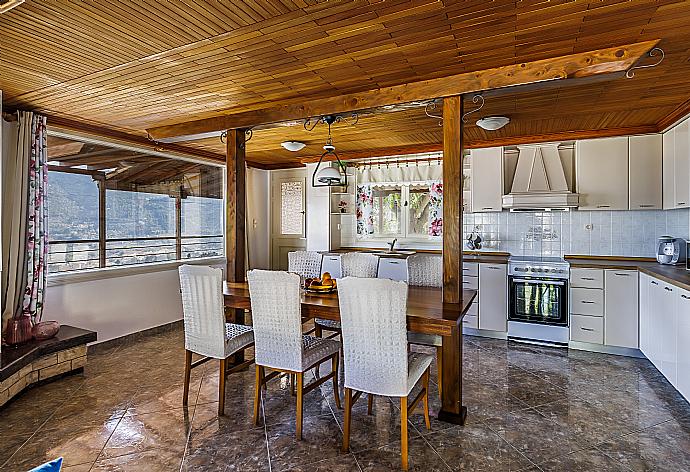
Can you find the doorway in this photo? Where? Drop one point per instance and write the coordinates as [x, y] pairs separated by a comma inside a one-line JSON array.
[[288, 211]]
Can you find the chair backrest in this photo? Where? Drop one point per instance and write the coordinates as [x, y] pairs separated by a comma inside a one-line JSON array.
[[373, 316], [305, 263], [277, 318], [358, 264], [425, 270], [203, 309]]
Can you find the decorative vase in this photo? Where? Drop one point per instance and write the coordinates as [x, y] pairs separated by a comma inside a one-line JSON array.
[[45, 330], [18, 330]]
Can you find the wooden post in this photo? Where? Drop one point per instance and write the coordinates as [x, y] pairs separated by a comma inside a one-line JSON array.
[[452, 198], [235, 203], [178, 225], [101, 223]]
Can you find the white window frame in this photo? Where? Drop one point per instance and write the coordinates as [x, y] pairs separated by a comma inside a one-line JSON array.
[[404, 236]]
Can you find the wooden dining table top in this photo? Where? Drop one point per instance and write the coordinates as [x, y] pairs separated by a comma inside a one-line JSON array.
[[426, 311]]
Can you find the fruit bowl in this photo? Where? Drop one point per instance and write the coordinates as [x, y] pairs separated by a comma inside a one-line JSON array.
[[323, 284]]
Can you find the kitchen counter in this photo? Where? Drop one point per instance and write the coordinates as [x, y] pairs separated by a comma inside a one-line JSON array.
[[672, 274], [494, 257]]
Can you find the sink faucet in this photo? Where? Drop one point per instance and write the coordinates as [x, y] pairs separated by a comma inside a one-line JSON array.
[[392, 244]]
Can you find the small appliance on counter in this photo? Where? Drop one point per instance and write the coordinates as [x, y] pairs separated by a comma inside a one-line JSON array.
[[671, 250]]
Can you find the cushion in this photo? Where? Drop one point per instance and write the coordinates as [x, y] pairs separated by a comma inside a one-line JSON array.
[[53, 466], [328, 324], [316, 349], [237, 337], [417, 363]]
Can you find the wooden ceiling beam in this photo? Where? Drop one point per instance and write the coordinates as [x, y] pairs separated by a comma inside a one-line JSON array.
[[573, 66]]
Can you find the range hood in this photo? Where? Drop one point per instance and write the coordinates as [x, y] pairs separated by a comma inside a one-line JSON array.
[[540, 181]]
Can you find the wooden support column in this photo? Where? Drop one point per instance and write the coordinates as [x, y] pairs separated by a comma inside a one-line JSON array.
[[235, 206], [452, 198], [235, 211], [101, 223]]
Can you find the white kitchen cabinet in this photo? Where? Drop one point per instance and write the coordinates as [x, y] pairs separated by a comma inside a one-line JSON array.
[[665, 317], [392, 268], [676, 161], [683, 343], [331, 264], [621, 320], [682, 164], [645, 341], [587, 329], [587, 301], [668, 164], [487, 180], [644, 177], [601, 173], [493, 297]]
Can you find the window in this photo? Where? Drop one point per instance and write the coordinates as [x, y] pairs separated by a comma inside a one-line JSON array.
[[402, 211], [292, 207], [112, 207], [386, 212]]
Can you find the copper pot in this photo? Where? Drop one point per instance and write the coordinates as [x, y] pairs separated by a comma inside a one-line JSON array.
[[18, 330]]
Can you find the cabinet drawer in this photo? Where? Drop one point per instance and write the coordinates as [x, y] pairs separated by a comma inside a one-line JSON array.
[[587, 301], [587, 329], [587, 278], [470, 268], [470, 283], [471, 319]]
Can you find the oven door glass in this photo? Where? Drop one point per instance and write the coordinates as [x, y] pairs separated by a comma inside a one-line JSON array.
[[538, 301]]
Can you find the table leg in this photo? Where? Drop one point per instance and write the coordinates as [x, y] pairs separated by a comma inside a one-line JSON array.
[[452, 409]]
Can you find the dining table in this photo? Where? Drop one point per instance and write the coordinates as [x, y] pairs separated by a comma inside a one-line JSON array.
[[426, 314]]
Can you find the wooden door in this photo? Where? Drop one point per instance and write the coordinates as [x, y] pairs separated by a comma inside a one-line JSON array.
[[602, 173], [288, 210], [621, 318], [645, 172]]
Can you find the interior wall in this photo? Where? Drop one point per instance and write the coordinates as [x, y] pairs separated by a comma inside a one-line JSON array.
[[259, 218], [117, 306]]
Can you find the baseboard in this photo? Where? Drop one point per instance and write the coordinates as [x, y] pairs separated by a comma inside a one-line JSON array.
[[127, 338], [616, 351], [484, 333]]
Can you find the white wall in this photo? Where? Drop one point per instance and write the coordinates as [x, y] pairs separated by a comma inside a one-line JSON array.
[[116, 306], [258, 218], [318, 214]]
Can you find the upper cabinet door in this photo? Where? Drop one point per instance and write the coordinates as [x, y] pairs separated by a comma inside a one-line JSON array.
[[602, 173], [645, 172], [487, 179], [669, 164], [682, 164]]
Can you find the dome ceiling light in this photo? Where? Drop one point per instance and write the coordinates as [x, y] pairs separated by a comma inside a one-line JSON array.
[[293, 146], [493, 123]]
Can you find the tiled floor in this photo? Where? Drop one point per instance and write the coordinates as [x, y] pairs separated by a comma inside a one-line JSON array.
[[530, 408]]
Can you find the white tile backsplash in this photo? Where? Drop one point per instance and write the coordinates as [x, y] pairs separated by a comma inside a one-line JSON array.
[[613, 233]]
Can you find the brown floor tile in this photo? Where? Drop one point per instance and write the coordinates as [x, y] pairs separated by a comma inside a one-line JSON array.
[[647, 450], [421, 458], [342, 463], [589, 459], [149, 461], [476, 448], [321, 439], [223, 451]]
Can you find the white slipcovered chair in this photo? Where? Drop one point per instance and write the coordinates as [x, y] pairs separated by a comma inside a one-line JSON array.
[[354, 264], [373, 314], [279, 342], [426, 270], [205, 331], [305, 263]]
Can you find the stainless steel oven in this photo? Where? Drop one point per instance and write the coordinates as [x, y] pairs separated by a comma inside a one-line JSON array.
[[538, 300]]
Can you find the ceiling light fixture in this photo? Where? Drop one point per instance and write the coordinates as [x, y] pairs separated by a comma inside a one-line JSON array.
[[329, 176], [293, 146], [493, 123]]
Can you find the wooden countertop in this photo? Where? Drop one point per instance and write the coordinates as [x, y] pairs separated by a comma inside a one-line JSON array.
[[672, 274], [495, 257]]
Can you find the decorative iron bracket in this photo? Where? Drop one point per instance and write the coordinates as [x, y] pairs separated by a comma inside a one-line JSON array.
[[247, 133], [310, 123], [432, 106], [652, 53], [478, 98]]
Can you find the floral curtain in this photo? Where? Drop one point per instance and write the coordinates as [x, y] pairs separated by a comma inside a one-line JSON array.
[[436, 208], [36, 232], [365, 205]]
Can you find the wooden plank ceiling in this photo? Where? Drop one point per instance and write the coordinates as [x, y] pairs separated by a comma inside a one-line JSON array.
[[132, 65]]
